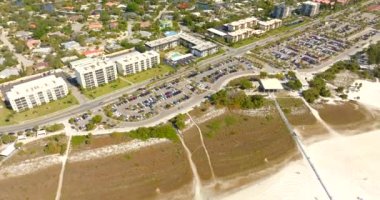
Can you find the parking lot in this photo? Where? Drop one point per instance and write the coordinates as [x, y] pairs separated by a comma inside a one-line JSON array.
[[148, 102], [324, 41]]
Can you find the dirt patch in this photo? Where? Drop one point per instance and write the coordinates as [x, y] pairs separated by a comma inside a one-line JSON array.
[[33, 150], [143, 174], [345, 79], [38, 185], [296, 111], [240, 144], [349, 117]]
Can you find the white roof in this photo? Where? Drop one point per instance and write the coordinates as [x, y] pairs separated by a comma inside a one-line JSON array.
[[8, 150], [161, 41], [240, 32], [242, 21], [271, 84], [34, 86], [90, 64], [204, 46], [217, 32], [135, 56]]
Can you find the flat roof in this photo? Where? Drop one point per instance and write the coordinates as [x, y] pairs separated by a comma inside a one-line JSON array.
[[161, 41], [271, 84], [204, 46], [36, 85], [191, 39], [8, 150], [217, 32], [242, 21], [240, 31]]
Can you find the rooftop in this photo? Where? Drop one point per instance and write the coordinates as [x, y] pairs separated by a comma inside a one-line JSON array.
[[271, 84], [36, 85]]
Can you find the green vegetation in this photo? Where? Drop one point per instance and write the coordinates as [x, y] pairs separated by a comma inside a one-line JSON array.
[[54, 127], [105, 89], [318, 84], [179, 121], [149, 74], [293, 82], [373, 53], [96, 119], [55, 144], [237, 100], [162, 131], [81, 139], [242, 83], [216, 125], [6, 139], [8, 116]]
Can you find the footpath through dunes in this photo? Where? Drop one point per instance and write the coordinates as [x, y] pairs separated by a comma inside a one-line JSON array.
[[152, 172], [240, 143], [37, 185]]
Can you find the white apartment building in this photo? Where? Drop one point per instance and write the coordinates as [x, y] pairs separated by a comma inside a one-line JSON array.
[[135, 62], [197, 46], [249, 22], [36, 92], [269, 25], [94, 72]]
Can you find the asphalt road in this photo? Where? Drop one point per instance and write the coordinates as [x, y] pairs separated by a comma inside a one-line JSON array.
[[109, 98]]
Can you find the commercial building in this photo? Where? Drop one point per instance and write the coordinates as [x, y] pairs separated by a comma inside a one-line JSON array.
[[197, 46], [309, 8], [36, 92], [280, 11], [93, 72], [135, 62]]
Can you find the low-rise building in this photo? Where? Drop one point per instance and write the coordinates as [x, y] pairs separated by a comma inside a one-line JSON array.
[[249, 22], [197, 46], [163, 43], [36, 92], [269, 25], [270, 85], [135, 62], [94, 72], [71, 45]]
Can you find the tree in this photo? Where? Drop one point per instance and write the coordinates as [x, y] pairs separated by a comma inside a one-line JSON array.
[[311, 95], [179, 121], [245, 84], [6, 139], [90, 126], [294, 84], [132, 7], [263, 74], [96, 119]]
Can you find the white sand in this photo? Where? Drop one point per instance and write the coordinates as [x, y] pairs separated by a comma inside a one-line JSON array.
[[369, 93], [349, 167]]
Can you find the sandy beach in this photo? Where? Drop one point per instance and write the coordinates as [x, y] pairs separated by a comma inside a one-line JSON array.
[[347, 165]]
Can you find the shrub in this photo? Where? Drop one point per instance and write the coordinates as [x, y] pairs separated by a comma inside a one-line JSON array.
[[54, 127]]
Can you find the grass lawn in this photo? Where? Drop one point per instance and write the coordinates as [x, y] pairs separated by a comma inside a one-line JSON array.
[[150, 73], [8, 117], [105, 89], [221, 51]]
